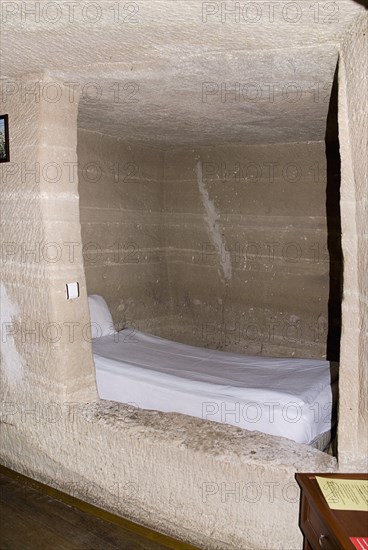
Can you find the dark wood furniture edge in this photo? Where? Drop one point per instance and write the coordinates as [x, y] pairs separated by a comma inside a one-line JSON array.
[[98, 512], [319, 504]]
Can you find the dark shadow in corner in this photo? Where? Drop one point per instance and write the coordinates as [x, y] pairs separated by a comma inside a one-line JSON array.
[[362, 3], [333, 226]]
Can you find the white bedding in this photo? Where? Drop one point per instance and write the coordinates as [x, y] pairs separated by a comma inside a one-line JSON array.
[[287, 397]]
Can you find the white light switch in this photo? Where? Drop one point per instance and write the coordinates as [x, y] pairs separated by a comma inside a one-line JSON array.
[[72, 291]]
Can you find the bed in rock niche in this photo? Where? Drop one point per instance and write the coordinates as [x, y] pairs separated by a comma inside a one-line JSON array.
[[288, 397]]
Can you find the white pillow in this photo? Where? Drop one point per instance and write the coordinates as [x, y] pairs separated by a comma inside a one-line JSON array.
[[101, 320]]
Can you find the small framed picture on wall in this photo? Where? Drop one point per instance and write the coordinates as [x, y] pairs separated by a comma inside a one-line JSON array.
[[4, 139]]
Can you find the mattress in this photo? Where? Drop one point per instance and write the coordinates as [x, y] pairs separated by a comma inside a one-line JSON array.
[[285, 397]]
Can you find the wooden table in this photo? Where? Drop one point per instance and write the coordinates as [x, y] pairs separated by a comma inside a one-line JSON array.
[[323, 527]]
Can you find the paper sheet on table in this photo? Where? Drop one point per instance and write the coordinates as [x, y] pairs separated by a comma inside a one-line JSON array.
[[345, 494]]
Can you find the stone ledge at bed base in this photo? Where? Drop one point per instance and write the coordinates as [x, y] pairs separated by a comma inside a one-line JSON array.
[[214, 485]]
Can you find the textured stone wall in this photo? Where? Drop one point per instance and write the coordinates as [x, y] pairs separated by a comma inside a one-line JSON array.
[[214, 485], [353, 85], [229, 252], [45, 346], [246, 236], [121, 193]]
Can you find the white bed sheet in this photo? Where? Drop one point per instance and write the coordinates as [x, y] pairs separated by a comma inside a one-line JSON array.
[[286, 397]]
